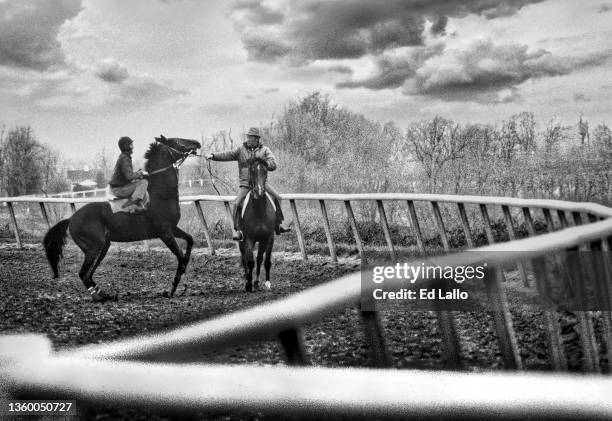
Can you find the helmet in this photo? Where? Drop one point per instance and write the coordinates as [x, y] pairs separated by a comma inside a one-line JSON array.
[[124, 143]]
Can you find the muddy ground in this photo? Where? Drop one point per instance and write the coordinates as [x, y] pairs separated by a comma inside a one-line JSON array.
[[31, 301]]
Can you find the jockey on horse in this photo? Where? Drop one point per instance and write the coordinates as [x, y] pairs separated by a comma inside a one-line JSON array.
[[125, 183], [252, 149]]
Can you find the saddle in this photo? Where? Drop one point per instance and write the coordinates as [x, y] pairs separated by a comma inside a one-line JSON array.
[[117, 203]]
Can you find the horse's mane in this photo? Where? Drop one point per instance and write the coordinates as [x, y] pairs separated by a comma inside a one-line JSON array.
[[152, 151]]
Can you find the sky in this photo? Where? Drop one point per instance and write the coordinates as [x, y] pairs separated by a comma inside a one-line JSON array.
[[82, 73]]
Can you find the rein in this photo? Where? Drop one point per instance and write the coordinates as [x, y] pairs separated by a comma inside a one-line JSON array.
[[175, 164]]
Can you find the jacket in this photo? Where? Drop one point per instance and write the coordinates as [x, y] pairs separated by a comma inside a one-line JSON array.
[[123, 173], [245, 156]]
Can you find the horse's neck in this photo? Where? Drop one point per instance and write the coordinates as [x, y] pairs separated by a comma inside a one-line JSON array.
[[163, 187], [260, 203]]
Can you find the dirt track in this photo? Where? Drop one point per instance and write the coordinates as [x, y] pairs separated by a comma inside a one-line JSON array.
[[31, 301]]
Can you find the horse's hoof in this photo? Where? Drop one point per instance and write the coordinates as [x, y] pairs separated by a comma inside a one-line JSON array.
[[267, 285], [165, 294], [256, 285], [248, 287], [102, 296]]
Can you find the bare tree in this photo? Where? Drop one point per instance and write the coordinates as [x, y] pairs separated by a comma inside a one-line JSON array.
[[433, 144], [583, 131]]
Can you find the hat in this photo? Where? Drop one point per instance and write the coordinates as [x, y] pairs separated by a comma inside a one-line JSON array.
[[253, 131]]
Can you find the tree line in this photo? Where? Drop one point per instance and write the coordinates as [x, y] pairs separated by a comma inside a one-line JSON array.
[[323, 147], [28, 166]]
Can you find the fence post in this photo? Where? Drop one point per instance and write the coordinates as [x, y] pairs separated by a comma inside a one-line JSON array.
[[585, 318], [466, 225], [228, 211], [330, 241], [550, 225], [512, 237], [551, 319], [44, 214], [503, 320], [291, 340], [440, 224], [14, 221], [607, 314], [206, 231], [414, 221], [385, 225], [73, 207], [298, 228], [375, 339], [562, 219], [351, 217]]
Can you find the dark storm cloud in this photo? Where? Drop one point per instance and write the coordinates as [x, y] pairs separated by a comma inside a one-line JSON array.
[[439, 25], [308, 30], [29, 30], [604, 8], [110, 70], [393, 72]]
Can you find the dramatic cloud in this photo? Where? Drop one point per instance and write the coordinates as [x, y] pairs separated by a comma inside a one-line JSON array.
[[483, 72], [302, 31], [484, 66], [29, 30], [393, 71], [110, 70]]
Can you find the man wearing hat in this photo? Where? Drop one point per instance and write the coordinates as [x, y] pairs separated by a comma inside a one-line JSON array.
[[251, 149], [125, 182]]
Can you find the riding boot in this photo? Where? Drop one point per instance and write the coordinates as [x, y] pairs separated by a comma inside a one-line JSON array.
[[237, 234], [280, 227]]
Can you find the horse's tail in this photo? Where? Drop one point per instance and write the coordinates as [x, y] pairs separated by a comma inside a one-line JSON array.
[[54, 243]]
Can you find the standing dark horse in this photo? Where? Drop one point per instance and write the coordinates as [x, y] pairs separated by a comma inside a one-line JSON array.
[[258, 222], [94, 226]]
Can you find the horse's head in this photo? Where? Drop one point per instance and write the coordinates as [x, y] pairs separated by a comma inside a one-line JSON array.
[[258, 174], [168, 152]]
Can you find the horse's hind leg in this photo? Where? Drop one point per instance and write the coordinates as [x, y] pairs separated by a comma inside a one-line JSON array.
[[90, 259], [101, 256], [188, 238], [171, 243]]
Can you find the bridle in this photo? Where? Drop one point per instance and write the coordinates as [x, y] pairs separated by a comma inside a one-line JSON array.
[[176, 164]]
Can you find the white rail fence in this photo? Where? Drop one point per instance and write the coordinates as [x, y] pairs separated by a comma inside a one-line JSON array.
[[106, 374]]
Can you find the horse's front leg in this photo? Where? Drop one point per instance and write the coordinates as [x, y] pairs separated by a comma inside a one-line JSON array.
[[268, 261], [248, 263], [171, 243], [260, 256]]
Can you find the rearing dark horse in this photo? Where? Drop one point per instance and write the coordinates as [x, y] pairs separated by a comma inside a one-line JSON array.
[[258, 222], [94, 226]]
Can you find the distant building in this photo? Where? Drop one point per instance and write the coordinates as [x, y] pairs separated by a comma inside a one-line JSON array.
[[81, 180]]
